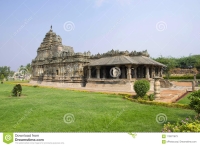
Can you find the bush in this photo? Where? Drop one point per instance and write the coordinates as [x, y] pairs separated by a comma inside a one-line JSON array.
[[183, 77], [142, 101], [195, 100], [17, 90], [151, 97], [198, 76], [145, 97], [141, 87], [187, 125]]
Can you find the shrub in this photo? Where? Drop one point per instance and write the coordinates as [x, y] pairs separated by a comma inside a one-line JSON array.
[[17, 90], [151, 97], [145, 97], [195, 100], [142, 101], [2, 78], [187, 125], [198, 76], [186, 76], [141, 87]]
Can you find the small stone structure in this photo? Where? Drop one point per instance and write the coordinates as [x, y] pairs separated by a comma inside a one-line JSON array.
[[195, 77], [165, 83], [193, 85], [157, 87]]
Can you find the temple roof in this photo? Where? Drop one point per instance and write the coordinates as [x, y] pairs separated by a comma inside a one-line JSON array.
[[50, 39], [119, 60]]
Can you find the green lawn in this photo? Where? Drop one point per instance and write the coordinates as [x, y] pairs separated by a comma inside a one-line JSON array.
[[185, 99], [42, 110]]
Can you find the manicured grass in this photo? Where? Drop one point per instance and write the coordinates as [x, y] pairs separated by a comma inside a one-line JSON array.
[[42, 110], [185, 99]]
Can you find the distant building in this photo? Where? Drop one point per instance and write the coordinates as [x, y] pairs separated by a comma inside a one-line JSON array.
[[21, 74], [57, 64]]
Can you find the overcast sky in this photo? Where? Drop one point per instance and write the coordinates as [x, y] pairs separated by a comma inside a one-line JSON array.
[[162, 27]]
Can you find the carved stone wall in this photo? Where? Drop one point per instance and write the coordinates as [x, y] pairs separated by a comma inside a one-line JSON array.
[[56, 62]]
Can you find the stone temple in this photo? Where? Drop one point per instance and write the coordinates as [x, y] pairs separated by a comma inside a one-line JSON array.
[[58, 65]]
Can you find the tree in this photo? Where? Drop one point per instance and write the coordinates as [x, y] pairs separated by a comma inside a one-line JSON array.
[[5, 70], [2, 77], [197, 62], [170, 62], [28, 67], [186, 62], [11, 73]]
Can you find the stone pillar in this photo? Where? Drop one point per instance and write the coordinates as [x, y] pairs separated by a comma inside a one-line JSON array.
[[157, 87], [38, 70], [135, 72], [128, 72], [147, 72], [150, 72], [61, 71], [42, 69], [138, 72], [153, 72], [195, 77], [123, 73], [98, 72], [104, 72], [119, 68], [161, 72], [193, 85], [141, 72], [89, 72]]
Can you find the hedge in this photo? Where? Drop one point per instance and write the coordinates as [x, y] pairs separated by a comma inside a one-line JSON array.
[[183, 77], [177, 105]]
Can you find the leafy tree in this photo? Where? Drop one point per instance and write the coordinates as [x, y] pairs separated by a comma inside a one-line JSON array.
[[189, 62], [186, 62], [28, 67], [195, 101], [11, 73], [197, 62], [169, 62], [2, 77], [5, 70]]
